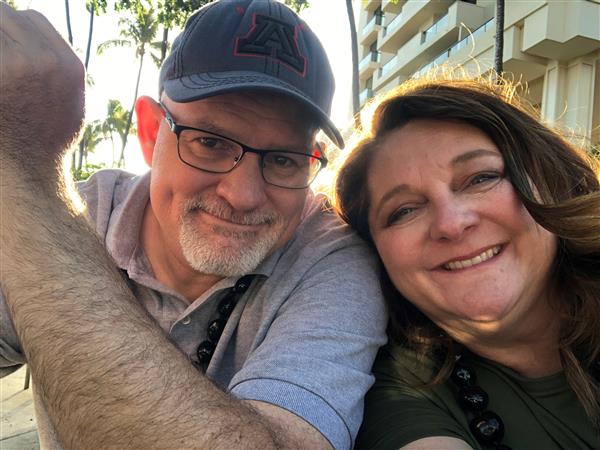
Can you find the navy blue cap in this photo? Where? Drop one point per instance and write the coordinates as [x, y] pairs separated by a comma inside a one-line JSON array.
[[244, 45]]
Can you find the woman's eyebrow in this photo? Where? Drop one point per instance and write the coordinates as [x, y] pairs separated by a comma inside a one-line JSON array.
[[472, 154], [389, 195]]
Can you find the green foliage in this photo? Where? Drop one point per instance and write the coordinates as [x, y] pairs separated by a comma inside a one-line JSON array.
[[87, 171], [116, 121], [99, 6], [297, 5], [92, 136], [176, 12]]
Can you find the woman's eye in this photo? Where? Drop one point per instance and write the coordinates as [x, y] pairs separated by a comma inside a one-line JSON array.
[[401, 214], [482, 178]]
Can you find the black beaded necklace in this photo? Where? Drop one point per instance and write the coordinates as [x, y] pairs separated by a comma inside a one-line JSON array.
[[486, 426], [215, 327]]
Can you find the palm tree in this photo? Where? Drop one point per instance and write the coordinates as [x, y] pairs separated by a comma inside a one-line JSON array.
[[354, 44], [92, 136], [138, 32], [94, 7], [499, 44], [115, 122]]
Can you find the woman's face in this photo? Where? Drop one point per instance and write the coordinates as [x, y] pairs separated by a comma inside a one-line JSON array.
[[452, 233]]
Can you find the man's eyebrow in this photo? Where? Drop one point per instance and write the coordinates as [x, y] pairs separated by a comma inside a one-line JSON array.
[[211, 127], [477, 153]]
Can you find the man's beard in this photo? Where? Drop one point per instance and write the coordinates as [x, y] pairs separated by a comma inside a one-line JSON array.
[[247, 249]]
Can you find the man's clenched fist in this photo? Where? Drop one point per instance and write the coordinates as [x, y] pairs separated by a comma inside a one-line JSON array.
[[41, 90]]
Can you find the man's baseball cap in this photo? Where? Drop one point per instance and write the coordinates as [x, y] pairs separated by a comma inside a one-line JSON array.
[[250, 45]]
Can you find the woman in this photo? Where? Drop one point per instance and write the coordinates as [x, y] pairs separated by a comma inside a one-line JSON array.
[[488, 225]]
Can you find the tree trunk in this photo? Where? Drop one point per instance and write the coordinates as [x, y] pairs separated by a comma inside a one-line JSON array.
[[499, 39], [164, 44], [81, 155], [130, 116], [89, 42], [354, 44], [82, 142], [68, 15], [112, 143]]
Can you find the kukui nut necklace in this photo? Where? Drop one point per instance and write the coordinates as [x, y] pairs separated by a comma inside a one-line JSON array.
[[215, 327], [486, 426]]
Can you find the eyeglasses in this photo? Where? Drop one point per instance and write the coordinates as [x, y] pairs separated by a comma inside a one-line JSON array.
[[214, 153]]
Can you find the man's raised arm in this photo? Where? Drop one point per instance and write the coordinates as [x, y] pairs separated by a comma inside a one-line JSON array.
[[107, 372]]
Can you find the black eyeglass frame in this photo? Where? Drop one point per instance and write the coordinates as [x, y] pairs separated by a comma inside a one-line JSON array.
[[177, 129]]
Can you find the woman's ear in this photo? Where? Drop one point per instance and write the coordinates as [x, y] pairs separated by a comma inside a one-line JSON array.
[[149, 114]]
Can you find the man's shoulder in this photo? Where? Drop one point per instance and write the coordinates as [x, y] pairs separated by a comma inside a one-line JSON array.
[[104, 191], [322, 232], [104, 182], [324, 252]]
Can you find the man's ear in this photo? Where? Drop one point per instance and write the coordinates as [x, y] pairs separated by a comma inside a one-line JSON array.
[[149, 115]]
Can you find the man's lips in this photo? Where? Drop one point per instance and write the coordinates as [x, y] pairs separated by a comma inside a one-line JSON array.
[[220, 221]]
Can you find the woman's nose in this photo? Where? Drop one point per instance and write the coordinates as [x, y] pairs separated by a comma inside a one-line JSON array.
[[453, 218]]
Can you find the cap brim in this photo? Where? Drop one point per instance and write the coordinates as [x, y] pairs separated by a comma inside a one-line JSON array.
[[196, 87]]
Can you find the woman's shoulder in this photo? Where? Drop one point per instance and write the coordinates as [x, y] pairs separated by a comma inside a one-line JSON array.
[[402, 407]]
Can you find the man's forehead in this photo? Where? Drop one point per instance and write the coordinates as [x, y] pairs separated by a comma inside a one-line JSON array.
[[248, 106]]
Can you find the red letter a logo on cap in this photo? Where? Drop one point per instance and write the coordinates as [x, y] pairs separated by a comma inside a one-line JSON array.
[[270, 37]]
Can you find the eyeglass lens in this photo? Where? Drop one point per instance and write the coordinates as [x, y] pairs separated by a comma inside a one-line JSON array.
[[213, 153]]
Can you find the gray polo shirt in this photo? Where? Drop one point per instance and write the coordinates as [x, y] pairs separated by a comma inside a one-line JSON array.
[[303, 336]]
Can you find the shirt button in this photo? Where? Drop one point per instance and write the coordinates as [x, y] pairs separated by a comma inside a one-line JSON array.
[[186, 320]]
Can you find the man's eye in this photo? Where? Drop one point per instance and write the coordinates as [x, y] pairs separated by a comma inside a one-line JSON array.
[[211, 142], [283, 161]]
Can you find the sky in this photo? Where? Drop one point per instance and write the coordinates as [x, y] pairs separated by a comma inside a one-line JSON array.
[[114, 72]]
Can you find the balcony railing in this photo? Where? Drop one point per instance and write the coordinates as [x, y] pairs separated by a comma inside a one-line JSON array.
[[434, 29], [371, 57], [393, 24], [388, 66], [376, 20], [365, 95], [442, 57]]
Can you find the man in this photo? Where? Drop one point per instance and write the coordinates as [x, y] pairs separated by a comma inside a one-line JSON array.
[[241, 313]]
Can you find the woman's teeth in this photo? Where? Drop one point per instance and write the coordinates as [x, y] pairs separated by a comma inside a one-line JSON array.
[[462, 264]]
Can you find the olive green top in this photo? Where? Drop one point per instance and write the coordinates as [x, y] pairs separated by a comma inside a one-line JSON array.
[[541, 413]]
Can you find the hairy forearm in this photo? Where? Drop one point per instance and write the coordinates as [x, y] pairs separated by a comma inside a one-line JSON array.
[[92, 349], [107, 373]]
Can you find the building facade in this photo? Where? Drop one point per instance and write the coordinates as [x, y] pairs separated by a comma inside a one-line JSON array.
[[552, 45]]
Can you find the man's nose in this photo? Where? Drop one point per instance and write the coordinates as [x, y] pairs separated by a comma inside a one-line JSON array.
[[244, 187], [453, 218]]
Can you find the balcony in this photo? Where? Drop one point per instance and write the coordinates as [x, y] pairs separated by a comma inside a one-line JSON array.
[[371, 57], [388, 67], [371, 5], [370, 30], [562, 30], [391, 27], [434, 29], [414, 14], [423, 47], [368, 65], [365, 95], [468, 41]]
